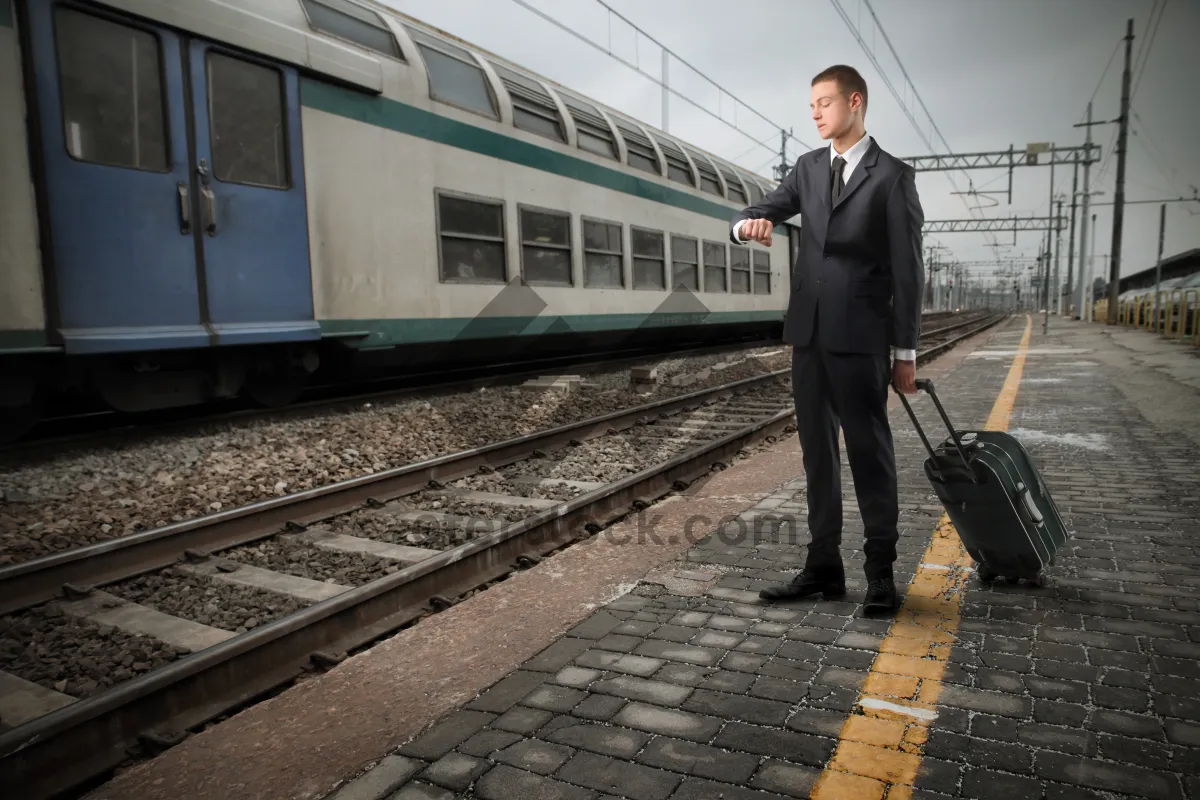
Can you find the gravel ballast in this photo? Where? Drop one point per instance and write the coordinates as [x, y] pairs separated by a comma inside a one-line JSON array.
[[74, 656], [90, 495], [226, 606]]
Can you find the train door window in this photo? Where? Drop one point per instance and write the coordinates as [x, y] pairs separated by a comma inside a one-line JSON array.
[[739, 263], [639, 152], [454, 76], [762, 272], [736, 192], [112, 92], [649, 260], [685, 263], [714, 267], [533, 109], [471, 235], [603, 255], [354, 23], [708, 175], [546, 247], [246, 113], [594, 134]]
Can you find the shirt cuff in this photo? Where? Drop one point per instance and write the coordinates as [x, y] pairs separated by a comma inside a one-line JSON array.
[[905, 355], [737, 230]]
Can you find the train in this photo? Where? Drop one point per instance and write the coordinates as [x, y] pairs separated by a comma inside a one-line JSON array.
[[1178, 301], [224, 198]]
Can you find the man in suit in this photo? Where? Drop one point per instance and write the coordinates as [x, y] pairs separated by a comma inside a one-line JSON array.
[[856, 294]]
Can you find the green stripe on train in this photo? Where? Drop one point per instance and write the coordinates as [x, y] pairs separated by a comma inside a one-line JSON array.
[[394, 115], [369, 333]]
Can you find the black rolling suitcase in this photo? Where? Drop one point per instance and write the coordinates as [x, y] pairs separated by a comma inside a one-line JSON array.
[[993, 494]]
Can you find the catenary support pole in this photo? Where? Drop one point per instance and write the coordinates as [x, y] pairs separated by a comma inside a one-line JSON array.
[[1162, 229], [1114, 256]]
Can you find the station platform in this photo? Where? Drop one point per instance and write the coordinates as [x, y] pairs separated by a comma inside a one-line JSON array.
[[642, 664]]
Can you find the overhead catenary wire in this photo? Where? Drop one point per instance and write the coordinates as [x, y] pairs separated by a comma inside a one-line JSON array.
[[993, 241]]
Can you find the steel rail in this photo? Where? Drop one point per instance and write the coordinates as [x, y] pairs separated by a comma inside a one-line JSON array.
[[64, 748]]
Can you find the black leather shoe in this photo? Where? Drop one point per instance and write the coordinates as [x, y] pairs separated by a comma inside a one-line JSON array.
[[881, 595], [804, 585]]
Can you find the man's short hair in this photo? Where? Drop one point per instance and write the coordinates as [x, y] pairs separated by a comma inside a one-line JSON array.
[[848, 81]]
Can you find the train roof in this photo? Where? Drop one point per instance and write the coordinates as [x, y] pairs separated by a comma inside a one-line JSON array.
[[565, 91]]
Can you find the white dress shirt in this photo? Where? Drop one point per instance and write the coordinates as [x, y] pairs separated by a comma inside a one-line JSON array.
[[853, 155]]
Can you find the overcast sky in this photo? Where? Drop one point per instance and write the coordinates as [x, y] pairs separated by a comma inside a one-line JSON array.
[[990, 72]]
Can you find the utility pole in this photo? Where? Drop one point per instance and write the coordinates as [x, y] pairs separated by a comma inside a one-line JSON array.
[[1046, 287], [1084, 290], [1091, 317], [1058, 292], [1049, 250], [1162, 229], [1071, 244], [782, 170], [1114, 264]]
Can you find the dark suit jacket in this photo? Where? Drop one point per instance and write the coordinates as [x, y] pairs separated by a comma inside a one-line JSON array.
[[860, 261]]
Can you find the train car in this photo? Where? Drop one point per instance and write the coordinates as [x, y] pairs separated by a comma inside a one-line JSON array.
[[208, 199], [1178, 296]]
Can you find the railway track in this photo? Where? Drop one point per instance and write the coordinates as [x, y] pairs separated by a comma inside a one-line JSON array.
[[347, 564], [96, 427]]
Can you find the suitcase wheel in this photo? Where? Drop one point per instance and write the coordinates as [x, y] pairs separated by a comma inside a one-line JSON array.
[[986, 574]]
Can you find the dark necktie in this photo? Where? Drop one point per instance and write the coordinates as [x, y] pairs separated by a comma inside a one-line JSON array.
[[839, 164]]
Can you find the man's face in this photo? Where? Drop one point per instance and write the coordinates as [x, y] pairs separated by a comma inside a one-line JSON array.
[[830, 109]]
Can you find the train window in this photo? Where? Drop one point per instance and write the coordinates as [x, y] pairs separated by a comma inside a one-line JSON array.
[[471, 234], [678, 169], [649, 262], [739, 263], [639, 152], [347, 20], [762, 272], [736, 191], [533, 109], [603, 254], [546, 246], [756, 192], [685, 263], [593, 132], [714, 267], [246, 105], [708, 175], [454, 76], [112, 94]]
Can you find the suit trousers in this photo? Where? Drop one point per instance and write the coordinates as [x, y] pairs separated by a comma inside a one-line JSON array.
[[850, 391]]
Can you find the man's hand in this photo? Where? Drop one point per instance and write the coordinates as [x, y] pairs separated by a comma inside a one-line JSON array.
[[757, 230], [904, 376]]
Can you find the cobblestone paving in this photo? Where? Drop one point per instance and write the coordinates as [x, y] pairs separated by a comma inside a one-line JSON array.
[[1087, 688]]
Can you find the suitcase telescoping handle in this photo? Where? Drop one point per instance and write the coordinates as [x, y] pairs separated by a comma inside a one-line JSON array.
[[926, 385]]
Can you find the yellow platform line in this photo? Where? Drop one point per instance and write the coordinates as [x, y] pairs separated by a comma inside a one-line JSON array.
[[880, 746]]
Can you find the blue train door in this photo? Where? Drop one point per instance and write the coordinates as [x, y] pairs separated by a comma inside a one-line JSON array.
[[115, 152], [175, 185], [253, 219]]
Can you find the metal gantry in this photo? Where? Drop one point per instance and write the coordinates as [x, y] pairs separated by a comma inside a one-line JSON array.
[[1010, 158], [993, 225]]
